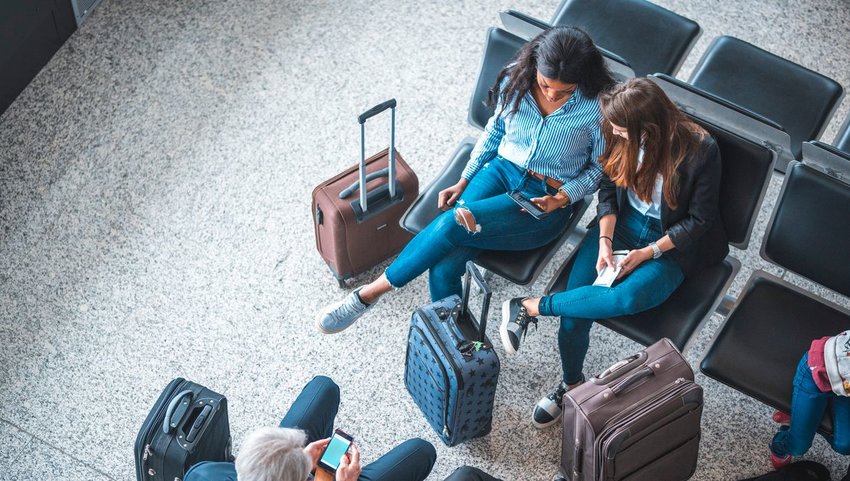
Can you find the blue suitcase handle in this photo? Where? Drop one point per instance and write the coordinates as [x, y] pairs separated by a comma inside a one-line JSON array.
[[167, 425], [473, 274]]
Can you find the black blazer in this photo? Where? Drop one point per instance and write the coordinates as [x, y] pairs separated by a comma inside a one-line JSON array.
[[695, 226]]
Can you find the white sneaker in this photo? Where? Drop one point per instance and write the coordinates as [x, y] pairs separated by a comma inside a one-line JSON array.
[[338, 316]]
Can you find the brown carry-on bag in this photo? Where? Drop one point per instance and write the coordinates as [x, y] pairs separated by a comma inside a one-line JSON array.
[[638, 421], [357, 232]]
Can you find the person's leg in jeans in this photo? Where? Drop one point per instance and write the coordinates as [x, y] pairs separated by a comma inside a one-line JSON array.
[[494, 222], [411, 460], [840, 425], [315, 409], [574, 333], [808, 405], [468, 473], [495, 177], [445, 277], [649, 285]]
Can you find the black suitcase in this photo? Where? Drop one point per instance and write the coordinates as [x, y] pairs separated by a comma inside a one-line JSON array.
[[187, 425], [451, 369]]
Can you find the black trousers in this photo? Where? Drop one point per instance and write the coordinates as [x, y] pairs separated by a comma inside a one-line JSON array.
[[468, 473]]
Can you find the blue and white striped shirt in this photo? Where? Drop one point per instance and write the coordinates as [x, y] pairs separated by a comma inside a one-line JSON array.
[[565, 145]]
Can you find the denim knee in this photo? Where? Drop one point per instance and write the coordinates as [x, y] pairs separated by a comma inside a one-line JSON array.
[[572, 326], [326, 387]]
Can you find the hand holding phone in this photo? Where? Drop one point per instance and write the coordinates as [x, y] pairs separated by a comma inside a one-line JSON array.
[[334, 452], [527, 205], [349, 466]]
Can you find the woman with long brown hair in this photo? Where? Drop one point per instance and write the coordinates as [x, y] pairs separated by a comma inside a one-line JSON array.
[[658, 200]]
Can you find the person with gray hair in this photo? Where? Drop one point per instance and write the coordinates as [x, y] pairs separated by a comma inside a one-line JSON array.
[[291, 451]]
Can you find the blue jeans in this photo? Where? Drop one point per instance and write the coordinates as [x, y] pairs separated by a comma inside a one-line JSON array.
[[313, 412], [808, 406], [444, 246], [581, 303]]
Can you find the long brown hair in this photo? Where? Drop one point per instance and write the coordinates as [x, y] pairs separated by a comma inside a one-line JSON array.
[[653, 122]]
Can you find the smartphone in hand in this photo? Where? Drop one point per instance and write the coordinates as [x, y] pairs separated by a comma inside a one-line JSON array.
[[336, 449], [526, 203]]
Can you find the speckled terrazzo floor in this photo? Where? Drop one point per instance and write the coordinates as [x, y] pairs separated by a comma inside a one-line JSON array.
[[155, 185]]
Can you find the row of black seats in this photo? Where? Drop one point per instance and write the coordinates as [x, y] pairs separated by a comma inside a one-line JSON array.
[[758, 127]]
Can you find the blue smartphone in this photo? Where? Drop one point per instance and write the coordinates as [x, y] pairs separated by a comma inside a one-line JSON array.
[[336, 449]]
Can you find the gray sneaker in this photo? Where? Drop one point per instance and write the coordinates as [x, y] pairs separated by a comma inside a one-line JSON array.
[[339, 315]]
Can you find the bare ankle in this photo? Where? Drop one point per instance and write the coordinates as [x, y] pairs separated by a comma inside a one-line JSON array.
[[531, 306], [370, 293]]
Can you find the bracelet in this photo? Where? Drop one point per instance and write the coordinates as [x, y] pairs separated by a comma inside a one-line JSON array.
[[606, 237]]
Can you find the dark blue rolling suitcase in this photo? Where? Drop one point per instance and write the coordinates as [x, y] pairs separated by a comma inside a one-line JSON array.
[[187, 425], [451, 369]]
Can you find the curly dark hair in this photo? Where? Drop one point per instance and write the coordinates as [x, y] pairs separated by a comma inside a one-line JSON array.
[[566, 54]]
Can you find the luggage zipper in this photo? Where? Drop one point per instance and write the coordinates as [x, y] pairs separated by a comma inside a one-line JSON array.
[[625, 415], [458, 373], [449, 358], [157, 423], [445, 383]]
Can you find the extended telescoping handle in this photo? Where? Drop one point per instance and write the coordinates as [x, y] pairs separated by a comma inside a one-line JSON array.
[[389, 104], [472, 274]]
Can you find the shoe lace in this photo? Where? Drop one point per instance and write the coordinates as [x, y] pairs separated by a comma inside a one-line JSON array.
[[344, 310], [523, 319], [558, 394]]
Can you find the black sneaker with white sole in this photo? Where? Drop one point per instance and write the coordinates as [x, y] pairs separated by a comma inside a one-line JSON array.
[[548, 410], [515, 321]]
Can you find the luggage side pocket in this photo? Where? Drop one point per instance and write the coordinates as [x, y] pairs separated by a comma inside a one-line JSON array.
[[677, 465]]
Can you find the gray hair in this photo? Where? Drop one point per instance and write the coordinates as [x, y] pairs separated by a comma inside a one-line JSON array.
[[274, 454]]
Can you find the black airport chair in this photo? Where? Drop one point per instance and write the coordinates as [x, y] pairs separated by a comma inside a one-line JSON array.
[[842, 140], [651, 39], [528, 27], [800, 100], [757, 349], [520, 267], [747, 168]]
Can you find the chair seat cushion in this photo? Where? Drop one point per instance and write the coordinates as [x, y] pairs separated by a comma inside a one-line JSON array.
[[521, 267], [741, 356], [679, 317]]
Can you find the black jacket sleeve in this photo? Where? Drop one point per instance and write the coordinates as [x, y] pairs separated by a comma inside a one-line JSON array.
[[607, 197], [703, 206]]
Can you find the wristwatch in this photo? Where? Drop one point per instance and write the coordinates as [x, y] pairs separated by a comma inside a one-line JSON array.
[[656, 252]]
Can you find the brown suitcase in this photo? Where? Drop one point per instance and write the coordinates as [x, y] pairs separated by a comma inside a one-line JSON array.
[[357, 232], [638, 421]]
